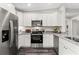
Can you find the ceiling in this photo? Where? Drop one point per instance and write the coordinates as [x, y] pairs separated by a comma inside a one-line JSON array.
[[72, 9], [35, 6]]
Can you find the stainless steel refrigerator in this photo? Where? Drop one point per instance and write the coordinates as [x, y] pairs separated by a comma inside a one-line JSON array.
[[8, 32]]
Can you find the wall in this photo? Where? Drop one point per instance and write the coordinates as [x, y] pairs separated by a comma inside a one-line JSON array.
[[75, 27], [9, 7], [69, 30], [62, 17]]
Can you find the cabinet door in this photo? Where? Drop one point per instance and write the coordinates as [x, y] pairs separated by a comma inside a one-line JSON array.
[[65, 48], [39, 16], [50, 19], [47, 40], [27, 40], [21, 41], [70, 47], [33, 16], [24, 41], [27, 19], [20, 18], [61, 47]]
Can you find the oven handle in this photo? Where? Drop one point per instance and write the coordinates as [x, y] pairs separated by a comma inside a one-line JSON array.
[[36, 34]]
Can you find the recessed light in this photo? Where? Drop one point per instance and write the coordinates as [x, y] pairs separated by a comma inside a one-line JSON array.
[[29, 4]]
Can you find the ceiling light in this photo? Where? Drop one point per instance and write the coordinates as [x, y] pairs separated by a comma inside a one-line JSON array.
[[29, 4]]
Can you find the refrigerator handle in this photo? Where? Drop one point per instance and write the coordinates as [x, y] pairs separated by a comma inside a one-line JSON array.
[[12, 33]]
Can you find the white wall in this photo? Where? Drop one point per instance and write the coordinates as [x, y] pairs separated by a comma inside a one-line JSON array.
[[75, 28], [62, 17], [9, 7], [69, 30]]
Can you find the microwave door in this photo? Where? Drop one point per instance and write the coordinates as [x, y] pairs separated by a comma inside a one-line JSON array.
[[11, 33]]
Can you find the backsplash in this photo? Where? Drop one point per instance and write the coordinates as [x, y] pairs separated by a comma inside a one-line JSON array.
[[45, 28], [52, 28]]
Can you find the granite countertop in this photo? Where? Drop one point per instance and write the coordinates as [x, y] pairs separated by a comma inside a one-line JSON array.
[[47, 32], [64, 35], [60, 35], [23, 33]]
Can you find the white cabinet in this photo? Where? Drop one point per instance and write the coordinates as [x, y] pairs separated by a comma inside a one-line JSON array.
[[39, 16], [33, 16], [20, 18], [50, 19], [67, 48], [27, 19], [64, 49], [9, 7], [47, 40], [24, 41]]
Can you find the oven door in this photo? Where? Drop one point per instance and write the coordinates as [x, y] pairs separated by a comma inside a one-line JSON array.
[[36, 38]]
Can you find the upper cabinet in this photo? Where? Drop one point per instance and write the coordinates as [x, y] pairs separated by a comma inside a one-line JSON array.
[[27, 19], [20, 18], [55, 18], [50, 19], [39, 16], [9, 7]]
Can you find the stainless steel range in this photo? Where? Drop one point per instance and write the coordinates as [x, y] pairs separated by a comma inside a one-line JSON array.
[[37, 34], [37, 37]]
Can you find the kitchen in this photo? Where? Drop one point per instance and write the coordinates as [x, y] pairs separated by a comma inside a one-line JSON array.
[[39, 28]]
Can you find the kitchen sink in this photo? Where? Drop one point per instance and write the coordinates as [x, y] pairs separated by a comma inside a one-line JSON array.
[[73, 38]]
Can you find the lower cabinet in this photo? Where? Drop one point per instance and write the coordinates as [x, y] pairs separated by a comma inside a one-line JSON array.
[[67, 48], [48, 40], [56, 43], [24, 41]]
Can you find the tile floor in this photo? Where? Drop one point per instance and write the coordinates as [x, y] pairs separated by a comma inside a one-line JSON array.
[[36, 51]]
